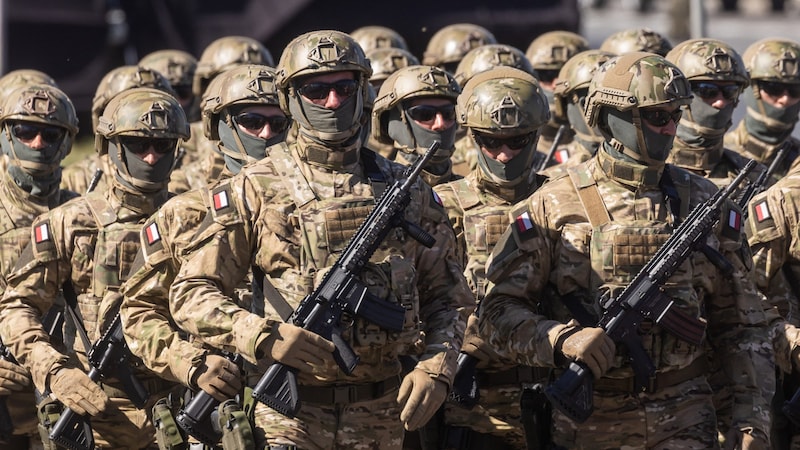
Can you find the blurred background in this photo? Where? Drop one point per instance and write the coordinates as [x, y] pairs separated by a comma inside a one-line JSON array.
[[78, 41]]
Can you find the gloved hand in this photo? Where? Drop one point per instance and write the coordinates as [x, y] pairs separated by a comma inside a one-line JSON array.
[[13, 378], [296, 347], [745, 440], [590, 346], [76, 391], [476, 347], [218, 376], [420, 396]]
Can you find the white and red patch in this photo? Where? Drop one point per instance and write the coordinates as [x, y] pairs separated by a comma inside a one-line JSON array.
[[437, 199], [735, 220], [762, 211], [524, 222], [152, 233], [562, 156], [42, 233], [221, 200]]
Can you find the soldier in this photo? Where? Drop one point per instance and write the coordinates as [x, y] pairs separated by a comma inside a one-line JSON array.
[[289, 217], [222, 54], [773, 104], [504, 108], [416, 106], [581, 238], [450, 44], [717, 76], [548, 53], [241, 114], [38, 127], [476, 61], [90, 243], [569, 98], [77, 176], [636, 40], [179, 68], [372, 37]]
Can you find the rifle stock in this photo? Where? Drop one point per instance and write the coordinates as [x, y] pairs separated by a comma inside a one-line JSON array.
[[643, 299], [341, 290]]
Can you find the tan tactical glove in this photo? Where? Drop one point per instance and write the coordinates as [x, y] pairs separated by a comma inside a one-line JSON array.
[[13, 378], [218, 376], [76, 391], [420, 396], [745, 440], [590, 346], [296, 347]]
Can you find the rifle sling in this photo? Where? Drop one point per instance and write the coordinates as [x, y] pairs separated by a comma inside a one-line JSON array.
[[71, 300]]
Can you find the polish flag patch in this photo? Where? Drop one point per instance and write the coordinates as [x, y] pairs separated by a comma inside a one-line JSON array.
[[42, 233], [735, 220], [437, 199], [221, 200], [562, 156], [762, 211], [152, 233], [524, 222]]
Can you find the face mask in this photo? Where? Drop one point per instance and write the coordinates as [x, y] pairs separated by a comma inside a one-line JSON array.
[[511, 171], [330, 121], [140, 175], [42, 161], [766, 122], [589, 136], [621, 127]]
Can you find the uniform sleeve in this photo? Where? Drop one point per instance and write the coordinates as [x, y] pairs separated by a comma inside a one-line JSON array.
[[146, 321], [518, 268], [33, 286], [201, 298], [445, 297]]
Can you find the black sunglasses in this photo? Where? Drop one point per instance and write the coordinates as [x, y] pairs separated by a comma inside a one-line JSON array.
[[775, 89], [254, 121], [28, 131], [426, 113], [140, 145], [708, 90], [659, 117], [514, 142], [318, 91]]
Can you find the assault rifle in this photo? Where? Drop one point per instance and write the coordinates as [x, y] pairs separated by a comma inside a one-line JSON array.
[[196, 418], [644, 299], [761, 182], [465, 391], [6, 424], [342, 292], [108, 359]]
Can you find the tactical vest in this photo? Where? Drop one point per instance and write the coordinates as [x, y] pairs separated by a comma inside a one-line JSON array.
[[326, 226]]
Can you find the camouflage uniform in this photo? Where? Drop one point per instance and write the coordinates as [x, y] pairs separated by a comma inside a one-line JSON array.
[[588, 234], [766, 128], [19, 206], [91, 243], [291, 214]]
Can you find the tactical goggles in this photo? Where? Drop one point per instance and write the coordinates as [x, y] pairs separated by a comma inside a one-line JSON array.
[[660, 117], [140, 145], [707, 90], [513, 142], [318, 91], [426, 113], [255, 122], [28, 131], [776, 89]]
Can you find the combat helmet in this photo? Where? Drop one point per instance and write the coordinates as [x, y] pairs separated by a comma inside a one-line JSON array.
[[489, 56], [225, 53], [448, 45], [13, 79], [141, 113], [374, 36], [178, 67], [504, 102], [773, 59], [549, 51], [317, 53], [575, 76], [45, 105], [123, 78], [386, 61], [636, 40]]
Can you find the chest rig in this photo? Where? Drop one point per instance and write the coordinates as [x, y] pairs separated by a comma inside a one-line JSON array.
[[618, 249], [326, 226]]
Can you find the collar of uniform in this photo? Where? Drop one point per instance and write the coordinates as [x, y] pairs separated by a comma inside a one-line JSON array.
[[329, 158], [630, 174], [695, 157], [136, 203], [511, 193], [755, 148]]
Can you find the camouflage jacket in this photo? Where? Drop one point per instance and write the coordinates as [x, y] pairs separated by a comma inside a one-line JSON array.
[[718, 164], [742, 142], [91, 242], [774, 235], [292, 218], [208, 167], [77, 176], [555, 248]]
